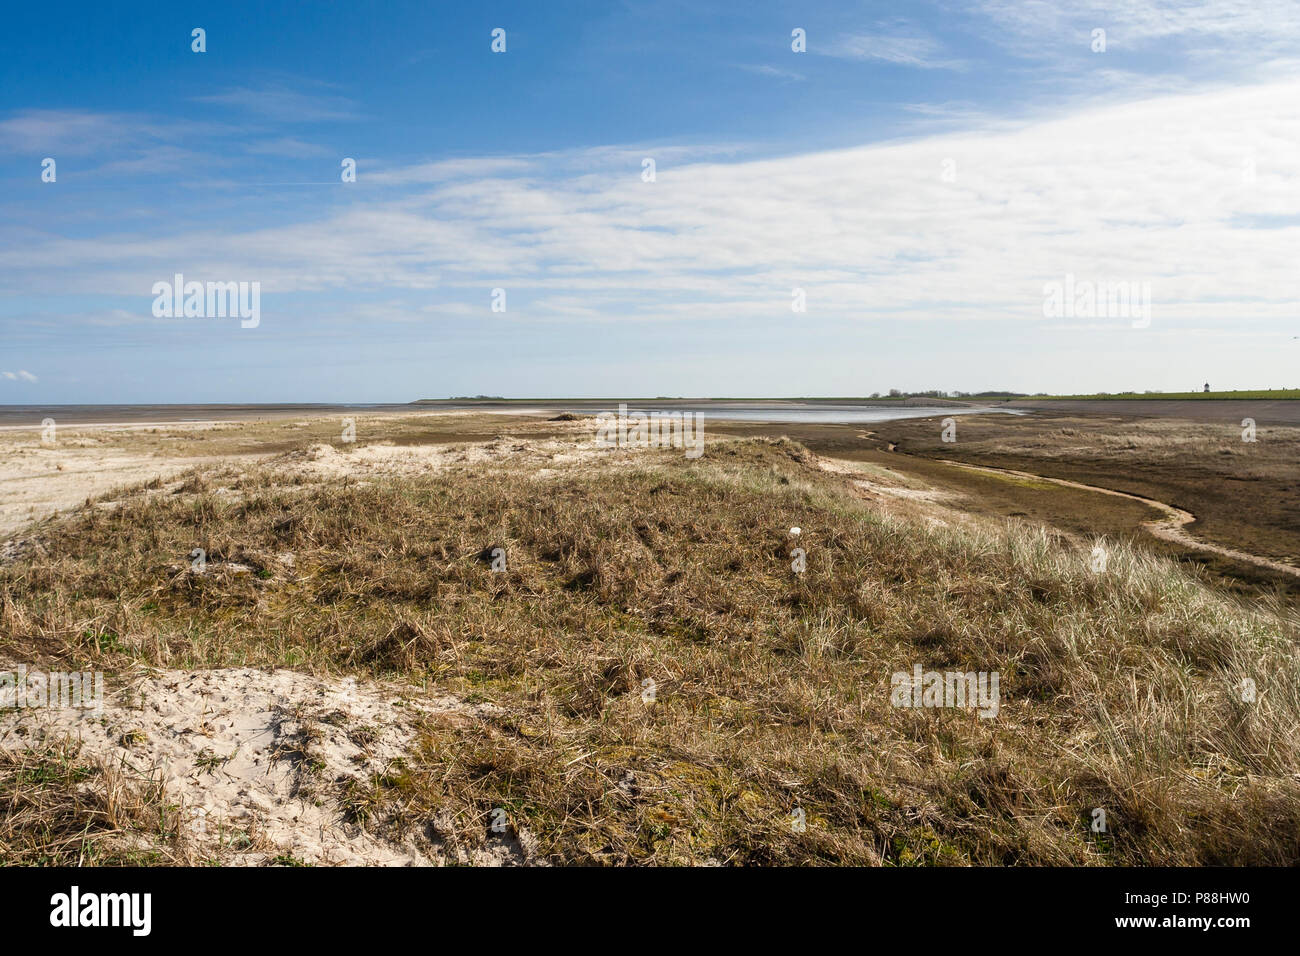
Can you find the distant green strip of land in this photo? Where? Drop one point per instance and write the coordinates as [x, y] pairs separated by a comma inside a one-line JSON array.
[[1252, 395], [1249, 394]]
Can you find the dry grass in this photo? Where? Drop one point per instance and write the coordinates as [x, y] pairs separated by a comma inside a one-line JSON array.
[[1119, 690], [58, 809]]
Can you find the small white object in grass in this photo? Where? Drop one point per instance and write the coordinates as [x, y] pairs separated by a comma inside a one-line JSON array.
[[796, 531]]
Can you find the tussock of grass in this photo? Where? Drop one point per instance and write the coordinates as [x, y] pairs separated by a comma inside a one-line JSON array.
[[58, 809], [1120, 690]]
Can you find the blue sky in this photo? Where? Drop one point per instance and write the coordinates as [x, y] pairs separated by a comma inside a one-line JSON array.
[[922, 172]]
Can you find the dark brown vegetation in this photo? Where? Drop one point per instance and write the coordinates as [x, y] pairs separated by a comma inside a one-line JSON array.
[[1245, 495]]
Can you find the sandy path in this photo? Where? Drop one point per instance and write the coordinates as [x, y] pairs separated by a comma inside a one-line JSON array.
[[1171, 526], [37, 481]]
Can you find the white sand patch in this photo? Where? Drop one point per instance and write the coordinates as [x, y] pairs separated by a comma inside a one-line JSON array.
[[37, 481], [876, 480], [263, 760], [112, 427], [323, 462]]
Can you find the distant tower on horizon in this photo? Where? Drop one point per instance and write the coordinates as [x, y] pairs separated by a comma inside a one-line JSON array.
[[1207, 386]]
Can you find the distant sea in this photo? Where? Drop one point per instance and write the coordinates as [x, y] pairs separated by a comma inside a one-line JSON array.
[[820, 413], [30, 416], [21, 415]]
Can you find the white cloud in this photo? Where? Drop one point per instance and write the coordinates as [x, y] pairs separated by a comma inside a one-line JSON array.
[[64, 131], [1256, 27], [284, 103], [773, 71], [112, 144], [22, 375], [287, 146], [908, 48], [1157, 191], [448, 169]]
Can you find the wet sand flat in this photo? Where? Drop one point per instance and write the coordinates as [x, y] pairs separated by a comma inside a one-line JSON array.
[[1279, 412]]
